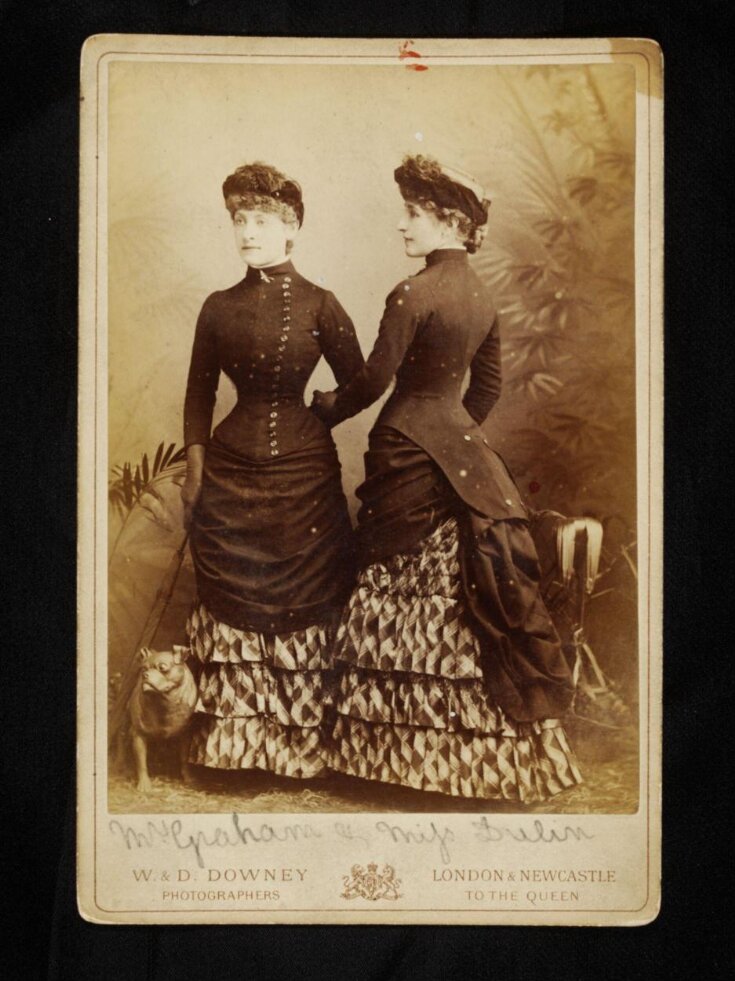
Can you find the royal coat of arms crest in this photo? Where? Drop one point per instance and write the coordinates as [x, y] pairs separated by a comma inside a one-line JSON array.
[[370, 884]]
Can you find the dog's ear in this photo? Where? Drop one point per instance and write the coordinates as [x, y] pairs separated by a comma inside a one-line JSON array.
[[143, 654], [179, 653]]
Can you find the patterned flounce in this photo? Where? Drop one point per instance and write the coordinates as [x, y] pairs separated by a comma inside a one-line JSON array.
[[427, 635], [261, 697], [258, 743], [410, 706], [419, 700], [526, 768]]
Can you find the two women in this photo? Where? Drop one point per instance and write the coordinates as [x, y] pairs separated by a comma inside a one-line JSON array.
[[450, 676]]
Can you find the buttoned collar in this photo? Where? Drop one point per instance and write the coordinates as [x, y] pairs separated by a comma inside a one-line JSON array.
[[446, 255], [254, 275]]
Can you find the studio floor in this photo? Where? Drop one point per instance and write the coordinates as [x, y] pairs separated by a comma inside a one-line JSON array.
[[608, 761]]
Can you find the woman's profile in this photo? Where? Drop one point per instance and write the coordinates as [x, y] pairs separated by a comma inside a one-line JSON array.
[[451, 677], [270, 534]]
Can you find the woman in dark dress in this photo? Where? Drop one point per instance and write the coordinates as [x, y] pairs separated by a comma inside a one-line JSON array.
[[450, 673], [269, 529]]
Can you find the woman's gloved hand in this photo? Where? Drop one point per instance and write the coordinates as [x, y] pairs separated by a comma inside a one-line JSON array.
[[323, 406], [191, 489]]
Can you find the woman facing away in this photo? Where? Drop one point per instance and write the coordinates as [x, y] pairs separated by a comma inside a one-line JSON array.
[[269, 530], [450, 674]]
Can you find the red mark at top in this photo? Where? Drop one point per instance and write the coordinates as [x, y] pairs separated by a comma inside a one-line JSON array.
[[406, 51]]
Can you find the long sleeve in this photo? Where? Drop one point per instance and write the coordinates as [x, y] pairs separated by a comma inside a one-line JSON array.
[[483, 390], [201, 386], [397, 331], [338, 340]]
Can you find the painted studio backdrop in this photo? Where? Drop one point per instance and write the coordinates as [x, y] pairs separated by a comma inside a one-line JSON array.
[[554, 145]]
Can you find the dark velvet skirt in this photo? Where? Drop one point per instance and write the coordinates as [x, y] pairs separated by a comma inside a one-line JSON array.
[[271, 539], [404, 496]]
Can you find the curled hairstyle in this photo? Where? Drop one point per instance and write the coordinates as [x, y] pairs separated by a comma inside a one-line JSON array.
[[453, 197], [258, 185]]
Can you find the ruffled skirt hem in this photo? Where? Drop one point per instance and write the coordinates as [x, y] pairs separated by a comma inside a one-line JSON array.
[[258, 743], [528, 768], [261, 697]]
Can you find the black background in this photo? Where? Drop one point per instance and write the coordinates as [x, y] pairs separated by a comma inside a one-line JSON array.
[[40, 45]]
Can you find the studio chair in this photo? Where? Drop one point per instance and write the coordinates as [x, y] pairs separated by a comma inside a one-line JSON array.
[[569, 551]]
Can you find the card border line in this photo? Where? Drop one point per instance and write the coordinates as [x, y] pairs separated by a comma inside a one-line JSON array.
[[471, 912]]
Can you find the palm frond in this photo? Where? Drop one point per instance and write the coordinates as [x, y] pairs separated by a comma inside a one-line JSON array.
[[130, 484]]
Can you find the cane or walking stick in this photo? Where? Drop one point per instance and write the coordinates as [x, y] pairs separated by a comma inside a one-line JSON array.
[[146, 639]]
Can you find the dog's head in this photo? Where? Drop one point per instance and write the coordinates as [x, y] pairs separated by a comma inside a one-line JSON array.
[[161, 671]]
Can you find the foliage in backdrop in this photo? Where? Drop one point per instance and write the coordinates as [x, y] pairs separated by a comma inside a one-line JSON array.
[[562, 270], [564, 282]]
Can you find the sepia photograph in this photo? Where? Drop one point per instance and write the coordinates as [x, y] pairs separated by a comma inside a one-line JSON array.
[[370, 480]]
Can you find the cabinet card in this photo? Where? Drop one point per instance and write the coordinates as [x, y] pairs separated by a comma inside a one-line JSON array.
[[397, 791]]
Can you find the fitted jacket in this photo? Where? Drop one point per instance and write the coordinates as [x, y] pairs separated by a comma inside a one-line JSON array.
[[437, 326], [267, 334]]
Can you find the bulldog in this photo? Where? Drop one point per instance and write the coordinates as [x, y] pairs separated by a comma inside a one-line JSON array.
[[161, 706]]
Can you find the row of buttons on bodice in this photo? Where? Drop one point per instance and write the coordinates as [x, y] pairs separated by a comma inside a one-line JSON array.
[[275, 384]]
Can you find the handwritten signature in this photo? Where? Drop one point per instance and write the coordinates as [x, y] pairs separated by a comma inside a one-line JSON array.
[[236, 834]]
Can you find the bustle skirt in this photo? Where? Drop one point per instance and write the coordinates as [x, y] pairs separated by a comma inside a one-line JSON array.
[[273, 554], [261, 697], [410, 704]]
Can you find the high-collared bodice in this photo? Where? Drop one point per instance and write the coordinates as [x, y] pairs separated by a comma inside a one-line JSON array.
[[267, 334], [437, 326]]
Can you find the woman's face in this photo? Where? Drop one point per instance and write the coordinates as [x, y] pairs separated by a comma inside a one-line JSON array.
[[261, 237], [424, 233]]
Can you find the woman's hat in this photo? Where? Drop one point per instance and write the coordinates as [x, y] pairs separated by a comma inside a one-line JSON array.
[[420, 179], [258, 185]]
